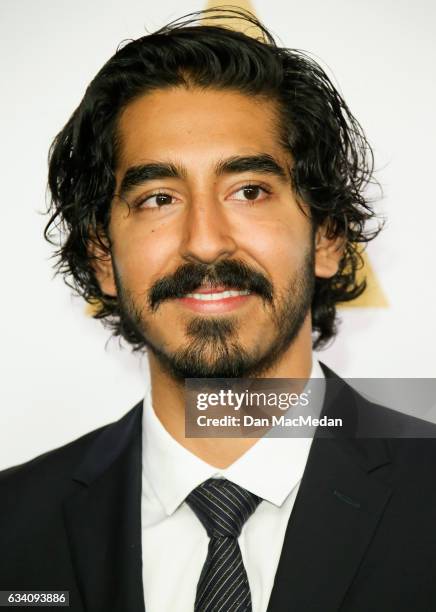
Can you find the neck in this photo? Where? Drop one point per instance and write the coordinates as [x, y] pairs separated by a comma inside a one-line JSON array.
[[168, 398]]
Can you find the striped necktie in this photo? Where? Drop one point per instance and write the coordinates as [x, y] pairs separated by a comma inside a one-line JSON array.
[[223, 507]]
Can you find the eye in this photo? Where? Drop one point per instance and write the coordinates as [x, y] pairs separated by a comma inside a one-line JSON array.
[[155, 200], [250, 193]]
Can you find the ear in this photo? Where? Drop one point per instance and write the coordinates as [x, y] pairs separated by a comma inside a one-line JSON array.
[[101, 262], [328, 252]]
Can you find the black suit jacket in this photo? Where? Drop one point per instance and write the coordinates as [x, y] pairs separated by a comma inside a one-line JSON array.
[[361, 537]]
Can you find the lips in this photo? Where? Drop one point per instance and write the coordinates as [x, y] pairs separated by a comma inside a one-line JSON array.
[[214, 300], [211, 294]]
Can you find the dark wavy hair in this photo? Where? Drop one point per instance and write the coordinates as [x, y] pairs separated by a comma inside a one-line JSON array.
[[333, 161]]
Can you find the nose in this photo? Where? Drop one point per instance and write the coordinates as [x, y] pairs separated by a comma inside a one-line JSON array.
[[207, 235]]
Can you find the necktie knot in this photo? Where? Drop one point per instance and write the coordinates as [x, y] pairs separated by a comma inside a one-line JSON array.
[[222, 506]]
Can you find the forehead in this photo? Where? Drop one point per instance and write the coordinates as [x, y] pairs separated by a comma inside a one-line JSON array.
[[193, 124]]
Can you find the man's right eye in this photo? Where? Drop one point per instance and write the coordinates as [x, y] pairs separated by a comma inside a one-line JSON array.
[[155, 200]]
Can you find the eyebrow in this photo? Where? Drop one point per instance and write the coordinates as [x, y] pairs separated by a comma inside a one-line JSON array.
[[137, 175], [260, 163]]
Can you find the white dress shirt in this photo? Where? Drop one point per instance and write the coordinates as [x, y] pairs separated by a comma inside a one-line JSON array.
[[175, 543]]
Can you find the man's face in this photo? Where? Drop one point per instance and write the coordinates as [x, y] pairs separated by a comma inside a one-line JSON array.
[[204, 208]]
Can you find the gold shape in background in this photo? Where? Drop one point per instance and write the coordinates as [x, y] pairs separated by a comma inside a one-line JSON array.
[[236, 24], [373, 296]]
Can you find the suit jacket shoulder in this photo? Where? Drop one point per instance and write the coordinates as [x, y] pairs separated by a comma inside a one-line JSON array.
[[37, 509], [53, 465]]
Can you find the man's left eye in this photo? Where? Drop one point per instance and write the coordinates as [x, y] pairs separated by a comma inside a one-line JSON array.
[[250, 193]]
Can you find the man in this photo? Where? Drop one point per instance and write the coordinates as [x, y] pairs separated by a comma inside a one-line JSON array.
[[210, 187]]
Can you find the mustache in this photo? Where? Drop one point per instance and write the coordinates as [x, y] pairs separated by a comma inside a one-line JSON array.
[[190, 276]]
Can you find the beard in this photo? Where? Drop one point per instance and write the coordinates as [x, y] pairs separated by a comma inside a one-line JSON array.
[[212, 349]]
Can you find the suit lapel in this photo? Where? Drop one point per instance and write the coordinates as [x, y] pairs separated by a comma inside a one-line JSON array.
[[337, 509], [103, 519]]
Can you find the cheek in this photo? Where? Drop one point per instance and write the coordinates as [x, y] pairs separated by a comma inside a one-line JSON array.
[[278, 247], [142, 255]]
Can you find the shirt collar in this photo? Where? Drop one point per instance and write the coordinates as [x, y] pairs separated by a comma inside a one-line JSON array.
[[173, 472]]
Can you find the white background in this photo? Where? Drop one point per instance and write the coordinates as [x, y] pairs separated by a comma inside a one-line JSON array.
[[58, 377]]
